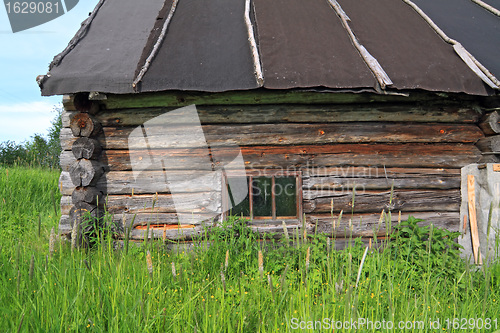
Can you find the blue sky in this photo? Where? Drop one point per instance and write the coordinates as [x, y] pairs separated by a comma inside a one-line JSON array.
[[23, 56]]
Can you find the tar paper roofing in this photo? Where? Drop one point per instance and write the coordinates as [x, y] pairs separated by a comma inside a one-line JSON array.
[[129, 46]]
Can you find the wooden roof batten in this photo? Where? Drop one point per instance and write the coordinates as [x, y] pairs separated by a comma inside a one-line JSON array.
[[253, 45], [156, 46], [465, 55], [372, 63], [489, 8], [80, 34]]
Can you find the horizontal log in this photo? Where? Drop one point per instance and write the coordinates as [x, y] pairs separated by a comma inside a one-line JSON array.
[[82, 124], [372, 155], [66, 119], [324, 201], [374, 178], [170, 234], [197, 203], [284, 134], [66, 204], [368, 224], [87, 148], [490, 124], [85, 172], [198, 232], [489, 159], [148, 182], [262, 229], [178, 99], [125, 220], [489, 144], [65, 228], [186, 231], [376, 172], [66, 186], [301, 113]]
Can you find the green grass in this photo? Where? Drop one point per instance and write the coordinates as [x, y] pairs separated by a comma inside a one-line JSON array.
[[28, 196], [112, 290]]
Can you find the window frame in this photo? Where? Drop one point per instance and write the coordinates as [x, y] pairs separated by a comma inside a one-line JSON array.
[[270, 174]]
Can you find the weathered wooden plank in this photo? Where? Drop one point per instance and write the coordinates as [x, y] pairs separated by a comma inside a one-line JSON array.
[[301, 113], [260, 96], [287, 134], [400, 155], [364, 225], [375, 178], [471, 196], [372, 201]]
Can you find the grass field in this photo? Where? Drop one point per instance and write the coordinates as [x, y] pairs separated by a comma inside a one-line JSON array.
[[231, 282]]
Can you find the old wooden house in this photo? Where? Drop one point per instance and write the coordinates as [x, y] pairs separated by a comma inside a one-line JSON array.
[[181, 112]]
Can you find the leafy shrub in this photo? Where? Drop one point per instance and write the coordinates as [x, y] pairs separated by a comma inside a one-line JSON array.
[[426, 248], [235, 236]]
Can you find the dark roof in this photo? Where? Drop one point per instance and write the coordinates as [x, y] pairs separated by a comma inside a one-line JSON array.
[[315, 44]]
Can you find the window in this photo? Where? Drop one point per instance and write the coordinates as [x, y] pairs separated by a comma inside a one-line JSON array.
[[266, 195]]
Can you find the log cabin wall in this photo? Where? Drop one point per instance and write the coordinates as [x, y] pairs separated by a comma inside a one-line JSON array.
[[343, 151]]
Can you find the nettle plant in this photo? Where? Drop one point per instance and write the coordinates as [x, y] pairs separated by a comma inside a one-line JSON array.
[[426, 248]]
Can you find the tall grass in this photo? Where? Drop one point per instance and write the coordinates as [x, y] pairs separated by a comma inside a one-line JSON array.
[[217, 285], [29, 197]]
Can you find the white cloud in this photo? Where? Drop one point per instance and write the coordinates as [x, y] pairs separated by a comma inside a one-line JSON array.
[[20, 121]]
